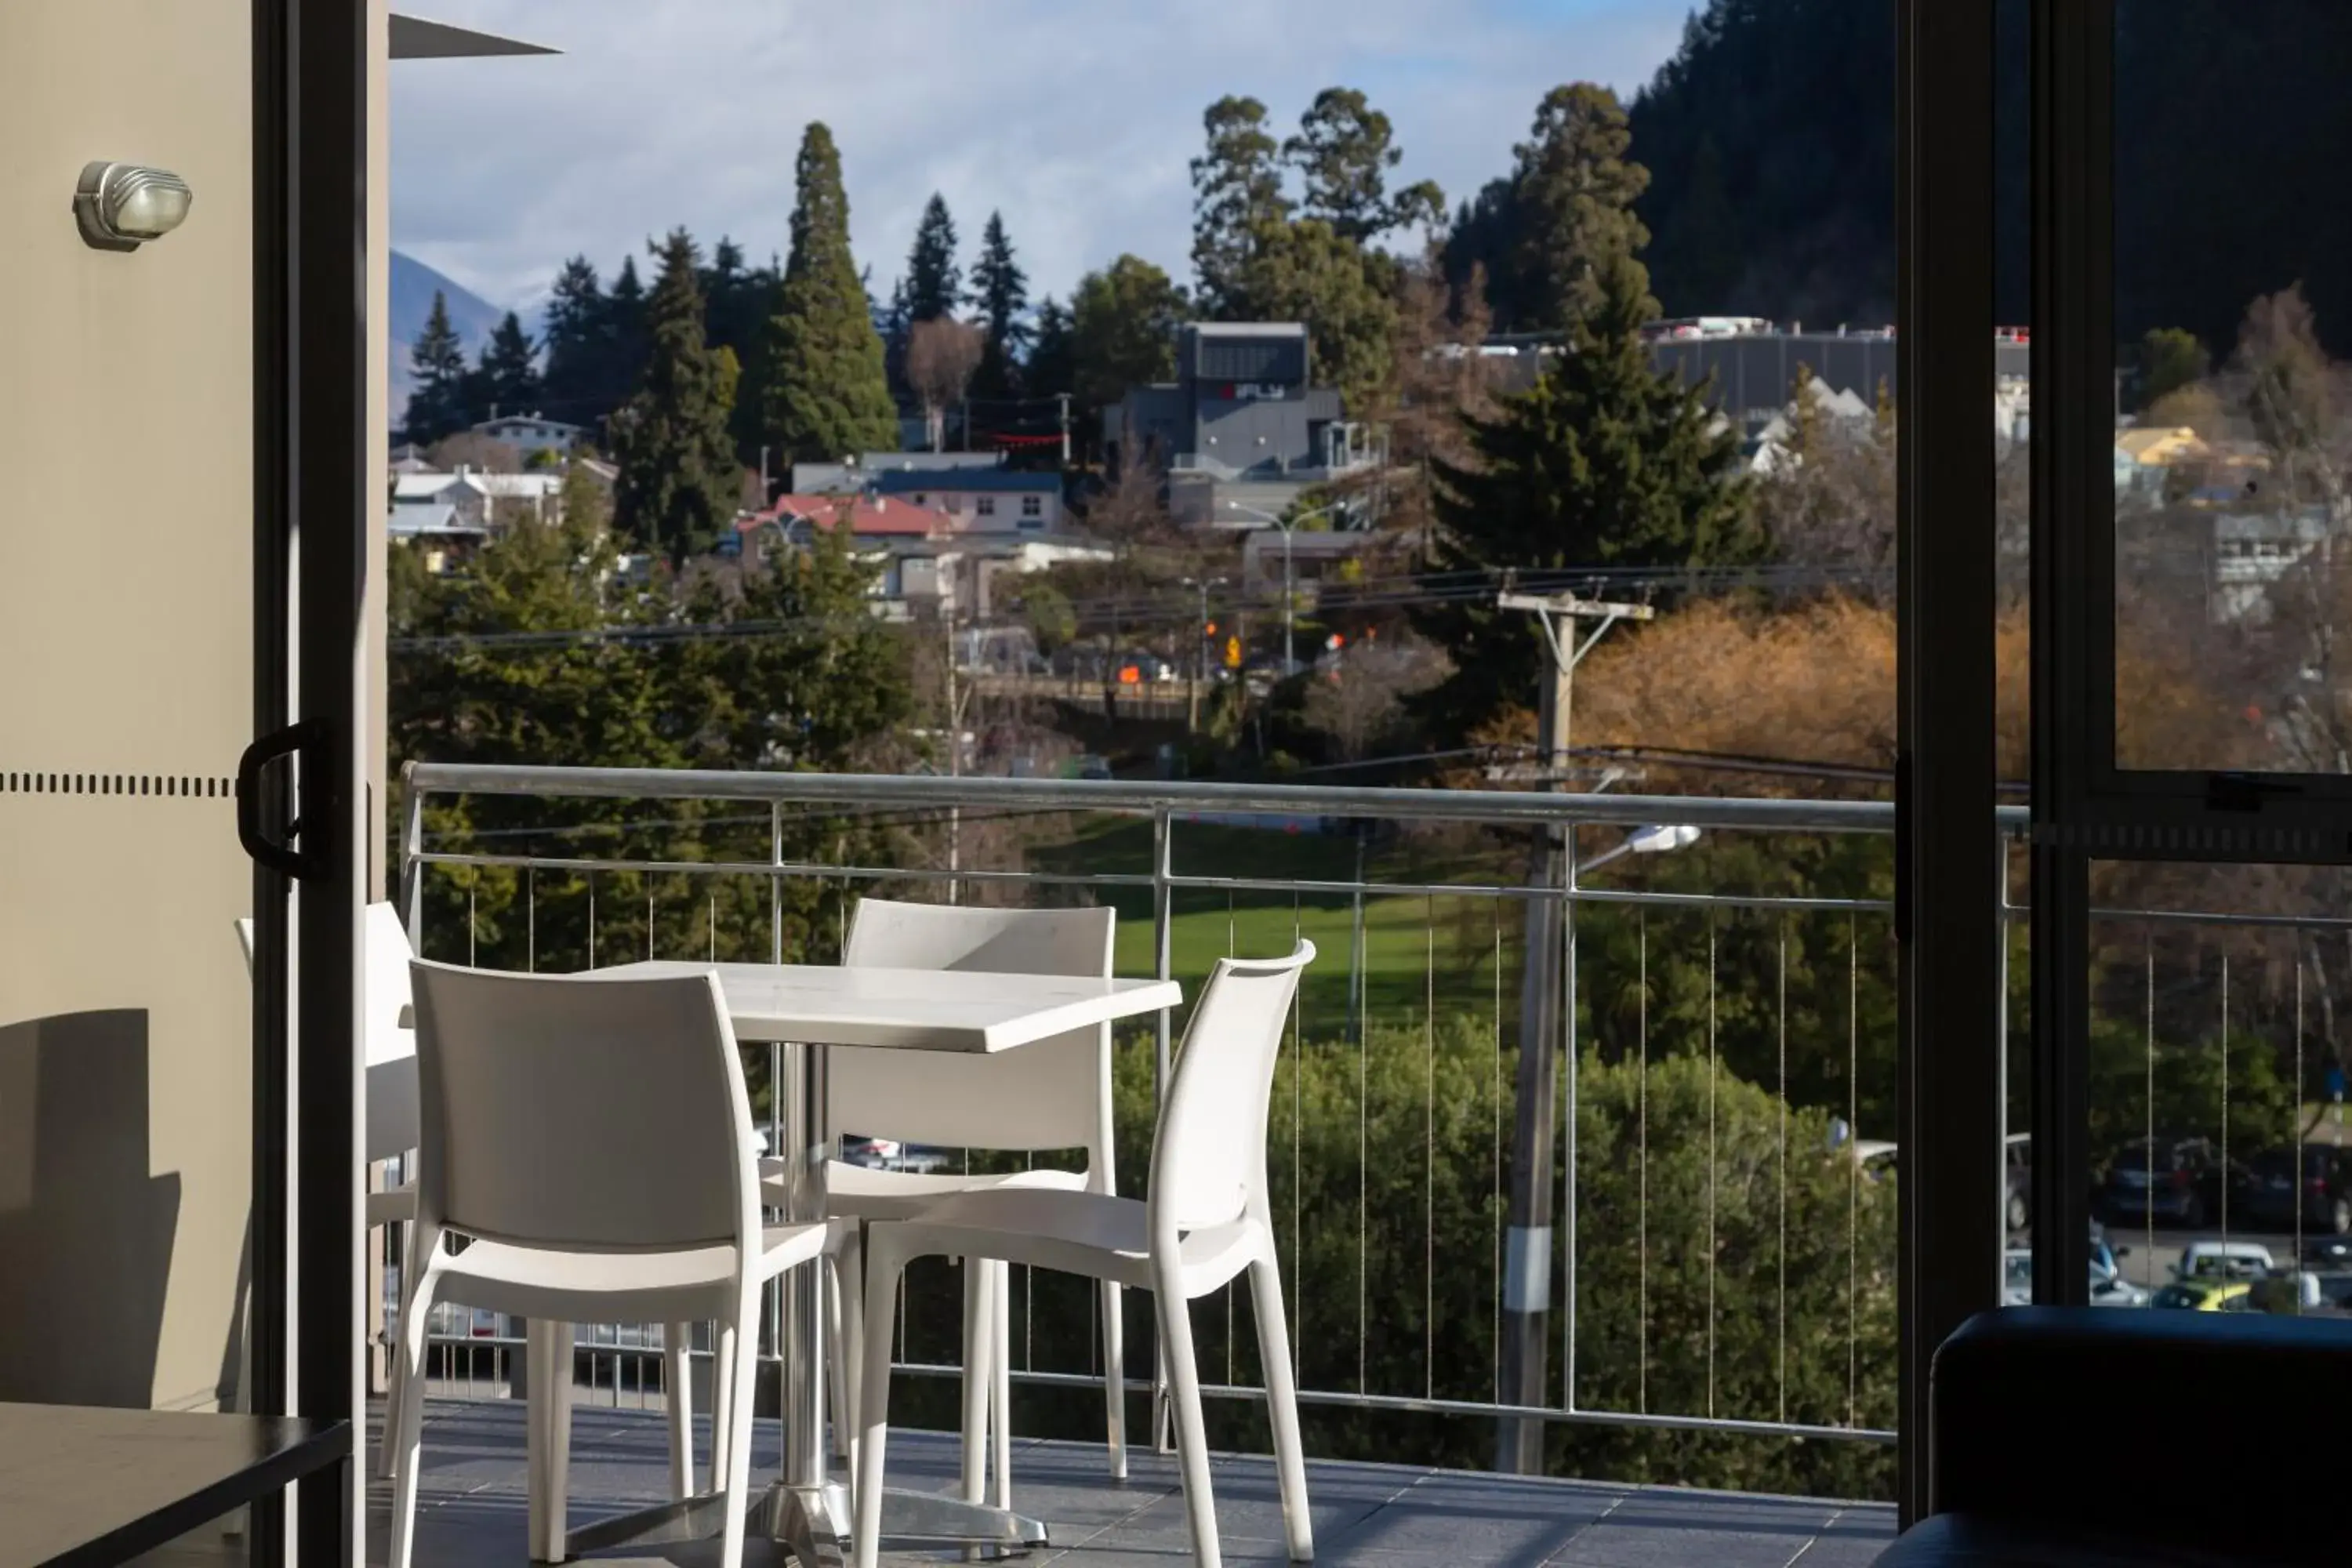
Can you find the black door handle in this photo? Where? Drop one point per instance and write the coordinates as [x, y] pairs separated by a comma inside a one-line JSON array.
[[295, 739]]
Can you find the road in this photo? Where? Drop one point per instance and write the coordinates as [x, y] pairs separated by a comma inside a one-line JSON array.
[[2148, 1261]]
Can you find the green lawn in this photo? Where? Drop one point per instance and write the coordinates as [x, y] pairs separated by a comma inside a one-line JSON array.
[[1407, 940]]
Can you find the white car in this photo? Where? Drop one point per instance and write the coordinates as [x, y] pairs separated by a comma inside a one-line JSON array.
[[889, 1155], [2224, 1260]]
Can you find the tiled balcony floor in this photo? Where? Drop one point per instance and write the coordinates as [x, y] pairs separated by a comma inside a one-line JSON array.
[[472, 1508]]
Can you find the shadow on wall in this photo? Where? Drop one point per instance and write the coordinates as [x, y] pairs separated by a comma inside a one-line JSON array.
[[86, 1234]]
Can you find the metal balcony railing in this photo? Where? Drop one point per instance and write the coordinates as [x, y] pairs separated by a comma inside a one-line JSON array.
[[1736, 1275]]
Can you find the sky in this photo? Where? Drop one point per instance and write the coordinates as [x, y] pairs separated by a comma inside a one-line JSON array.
[[1076, 118]]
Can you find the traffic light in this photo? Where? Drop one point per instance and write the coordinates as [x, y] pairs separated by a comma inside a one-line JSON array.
[[1232, 653]]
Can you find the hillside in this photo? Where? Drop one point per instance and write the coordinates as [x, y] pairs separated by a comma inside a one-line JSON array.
[[1770, 139]]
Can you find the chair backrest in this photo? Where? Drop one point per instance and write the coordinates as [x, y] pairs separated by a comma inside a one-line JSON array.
[[580, 1110], [390, 1047], [1052, 1094], [1208, 1152]]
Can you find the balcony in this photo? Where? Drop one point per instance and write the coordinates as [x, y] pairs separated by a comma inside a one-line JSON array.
[[472, 1506]]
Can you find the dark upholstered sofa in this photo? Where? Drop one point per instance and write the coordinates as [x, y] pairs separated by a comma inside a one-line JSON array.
[[2107, 1438]]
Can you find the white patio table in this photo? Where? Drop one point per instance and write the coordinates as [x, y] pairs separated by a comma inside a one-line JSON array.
[[805, 1009]]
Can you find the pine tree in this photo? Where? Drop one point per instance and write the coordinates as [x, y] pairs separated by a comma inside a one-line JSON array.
[[624, 335], [437, 405], [737, 302], [509, 373], [824, 395], [1052, 366], [1573, 190], [1236, 194], [1605, 461], [934, 282], [569, 387], [999, 296], [679, 484]]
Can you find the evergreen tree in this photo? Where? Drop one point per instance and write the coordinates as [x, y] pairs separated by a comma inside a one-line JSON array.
[[572, 384], [737, 302], [1123, 322], [934, 283], [508, 372], [625, 342], [1052, 366], [1573, 189], [824, 393], [1605, 461], [679, 484], [437, 405], [999, 296], [1343, 153], [1236, 196]]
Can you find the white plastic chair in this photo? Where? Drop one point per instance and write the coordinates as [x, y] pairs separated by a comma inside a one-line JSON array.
[[592, 1136], [1052, 1094], [1205, 1222]]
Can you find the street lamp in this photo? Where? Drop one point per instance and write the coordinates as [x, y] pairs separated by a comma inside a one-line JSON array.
[[1653, 840], [1286, 524], [1200, 650]]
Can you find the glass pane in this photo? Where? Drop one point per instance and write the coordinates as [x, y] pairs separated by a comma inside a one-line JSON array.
[[2216, 1081], [2233, 316]]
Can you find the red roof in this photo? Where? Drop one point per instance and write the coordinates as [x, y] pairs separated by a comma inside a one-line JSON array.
[[867, 515]]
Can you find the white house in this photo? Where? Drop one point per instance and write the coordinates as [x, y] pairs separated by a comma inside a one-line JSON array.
[[980, 500], [483, 499]]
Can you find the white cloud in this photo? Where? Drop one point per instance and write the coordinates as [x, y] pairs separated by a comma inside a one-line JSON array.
[[1076, 120]]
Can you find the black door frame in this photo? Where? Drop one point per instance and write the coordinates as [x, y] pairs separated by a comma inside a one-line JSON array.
[[310, 134], [1948, 926]]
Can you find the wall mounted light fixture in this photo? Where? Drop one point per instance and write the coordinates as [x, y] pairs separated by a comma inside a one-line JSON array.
[[121, 205]]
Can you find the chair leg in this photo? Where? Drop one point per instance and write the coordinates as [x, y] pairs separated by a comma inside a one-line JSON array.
[[1282, 1405], [849, 1344], [233, 1523], [722, 1401], [979, 1342], [678, 1396], [392, 1400], [882, 1272], [1114, 1344], [550, 1401], [1184, 1400], [837, 1377], [999, 1378], [742, 1339], [414, 1311]]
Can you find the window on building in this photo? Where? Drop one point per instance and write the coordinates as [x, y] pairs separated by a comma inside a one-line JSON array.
[[987, 507], [1032, 506]]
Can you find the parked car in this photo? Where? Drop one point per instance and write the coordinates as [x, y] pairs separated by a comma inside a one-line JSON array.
[[2206, 1296], [889, 1155], [2179, 1179], [2108, 1289], [2317, 1179], [2225, 1260]]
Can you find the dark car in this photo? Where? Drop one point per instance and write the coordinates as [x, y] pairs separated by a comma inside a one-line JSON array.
[[2317, 1179], [2176, 1179]]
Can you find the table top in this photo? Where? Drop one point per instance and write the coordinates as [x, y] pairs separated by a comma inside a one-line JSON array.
[[914, 1009], [83, 1486]]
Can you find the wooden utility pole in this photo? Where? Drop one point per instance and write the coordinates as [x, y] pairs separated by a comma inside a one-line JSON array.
[[1547, 1020]]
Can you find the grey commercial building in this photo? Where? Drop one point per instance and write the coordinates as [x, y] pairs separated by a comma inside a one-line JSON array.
[[1754, 372], [1240, 428]]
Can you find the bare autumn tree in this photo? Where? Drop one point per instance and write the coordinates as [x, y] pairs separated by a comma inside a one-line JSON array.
[[1829, 500], [1358, 699], [942, 355]]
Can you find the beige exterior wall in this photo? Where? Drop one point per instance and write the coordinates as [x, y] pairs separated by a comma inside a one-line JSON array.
[[125, 654]]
